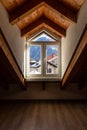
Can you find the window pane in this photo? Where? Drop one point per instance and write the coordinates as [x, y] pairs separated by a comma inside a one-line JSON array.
[[43, 38], [52, 59], [35, 59]]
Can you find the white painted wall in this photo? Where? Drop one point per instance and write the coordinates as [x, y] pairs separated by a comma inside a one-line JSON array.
[[72, 37], [12, 35]]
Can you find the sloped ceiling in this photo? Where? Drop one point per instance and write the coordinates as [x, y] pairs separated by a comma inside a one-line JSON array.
[[33, 15], [53, 15]]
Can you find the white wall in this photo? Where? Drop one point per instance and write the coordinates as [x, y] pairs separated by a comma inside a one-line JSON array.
[[12, 35], [72, 37]]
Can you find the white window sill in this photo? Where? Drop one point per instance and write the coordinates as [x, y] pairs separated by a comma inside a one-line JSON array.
[[29, 79]]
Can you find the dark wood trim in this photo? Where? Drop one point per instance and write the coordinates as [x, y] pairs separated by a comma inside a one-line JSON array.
[[43, 19], [18, 14]]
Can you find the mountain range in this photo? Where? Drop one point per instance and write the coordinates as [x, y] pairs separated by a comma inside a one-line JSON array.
[[35, 51]]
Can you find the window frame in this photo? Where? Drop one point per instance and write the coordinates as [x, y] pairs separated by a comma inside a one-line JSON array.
[[42, 76]]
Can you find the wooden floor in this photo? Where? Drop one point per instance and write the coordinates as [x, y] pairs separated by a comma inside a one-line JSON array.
[[43, 116]]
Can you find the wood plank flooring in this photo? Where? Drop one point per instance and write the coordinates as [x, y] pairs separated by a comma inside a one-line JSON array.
[[43, 116]]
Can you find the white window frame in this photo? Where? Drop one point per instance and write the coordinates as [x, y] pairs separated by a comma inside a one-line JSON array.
[[42, 76]]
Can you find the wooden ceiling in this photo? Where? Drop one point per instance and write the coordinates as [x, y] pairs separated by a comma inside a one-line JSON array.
[[52, 15]]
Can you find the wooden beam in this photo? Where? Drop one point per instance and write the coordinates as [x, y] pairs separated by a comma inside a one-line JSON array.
[[29, 6], [11, 61], [24, 10], [43, 19], [63, 9], [73, 66]]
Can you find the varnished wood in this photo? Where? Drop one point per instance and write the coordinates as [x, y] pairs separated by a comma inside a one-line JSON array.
[[48, 22], [25, 12], [75, 5], [78, 65], [47, 11], [42, 9], [43, 116], [10, 5], [41, 27], [13, 4], [58, 6], [31, 17]]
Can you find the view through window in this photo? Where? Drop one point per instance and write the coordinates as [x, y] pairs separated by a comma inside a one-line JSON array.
[[43, 56]]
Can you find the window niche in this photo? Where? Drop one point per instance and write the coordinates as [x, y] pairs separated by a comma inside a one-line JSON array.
[[43, 56]]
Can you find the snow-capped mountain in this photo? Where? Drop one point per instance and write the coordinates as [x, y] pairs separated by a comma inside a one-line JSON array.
[[35, 51]]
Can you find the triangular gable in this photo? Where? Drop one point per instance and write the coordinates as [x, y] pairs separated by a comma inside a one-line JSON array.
[[43, 37]]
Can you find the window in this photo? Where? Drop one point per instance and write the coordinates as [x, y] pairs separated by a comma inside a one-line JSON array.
[[43, 56]]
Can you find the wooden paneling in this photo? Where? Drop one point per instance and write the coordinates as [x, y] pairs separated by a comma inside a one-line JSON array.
[[10, 5], [47, 11], [25, 9], [56, 16], [74, 4], [77, 69], [42, 26], [31, 11], [28, 9], [41, 20], [31, 17], [25, 12]]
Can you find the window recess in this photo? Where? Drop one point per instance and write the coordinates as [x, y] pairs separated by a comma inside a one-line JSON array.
[[43, 57]]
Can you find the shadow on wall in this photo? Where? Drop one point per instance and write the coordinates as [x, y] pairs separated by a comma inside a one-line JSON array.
[[52, 92]]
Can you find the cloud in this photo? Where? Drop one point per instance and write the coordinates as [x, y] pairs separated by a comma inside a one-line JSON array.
[[54, 47]]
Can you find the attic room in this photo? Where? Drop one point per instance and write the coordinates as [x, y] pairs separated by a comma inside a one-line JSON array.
[[43, 64]]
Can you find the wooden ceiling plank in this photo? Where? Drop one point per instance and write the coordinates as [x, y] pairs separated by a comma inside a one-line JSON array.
[[45, 20], [74, 4], [29, 6], [24, 10], [63, 9], [41, 27]]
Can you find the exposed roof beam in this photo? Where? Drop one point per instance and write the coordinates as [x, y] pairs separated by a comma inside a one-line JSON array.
[[39, 28], [24, 10], [41, 20], [63, 9], [29, 6], [73, 67], [11, 60]]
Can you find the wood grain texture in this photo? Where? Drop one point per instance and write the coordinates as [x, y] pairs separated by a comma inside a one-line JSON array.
[[10, 5], [43, 116], [58, 6], [40, 21], [25, 12]]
